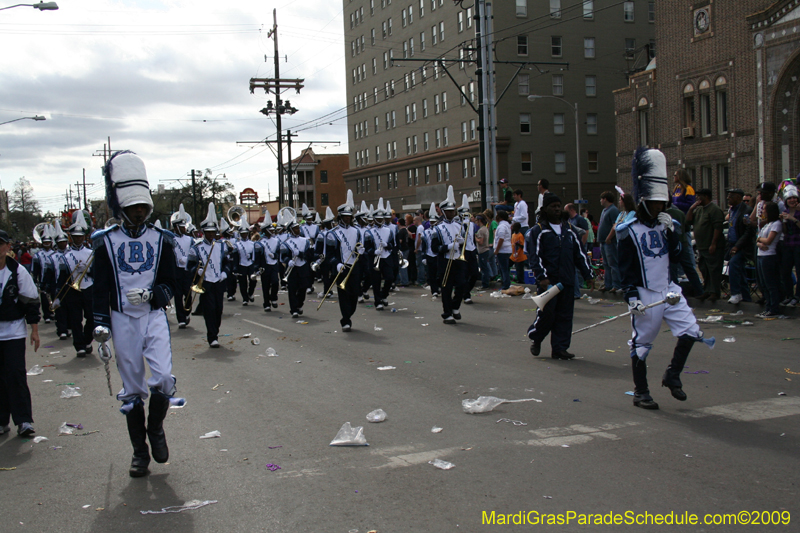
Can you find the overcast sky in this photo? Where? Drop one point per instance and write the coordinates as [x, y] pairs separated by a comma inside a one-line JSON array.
[[167, 79]]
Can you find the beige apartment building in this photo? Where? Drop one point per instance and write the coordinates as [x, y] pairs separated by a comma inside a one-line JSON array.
[[413, 132]]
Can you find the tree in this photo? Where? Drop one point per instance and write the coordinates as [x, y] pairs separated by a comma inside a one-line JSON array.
[[25, 212]]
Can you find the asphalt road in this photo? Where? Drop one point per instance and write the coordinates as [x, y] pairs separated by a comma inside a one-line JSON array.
[[584, 448]]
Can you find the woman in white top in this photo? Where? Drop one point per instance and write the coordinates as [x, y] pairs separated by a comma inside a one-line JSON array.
[[768, 267], [19, 303], [502, 248]]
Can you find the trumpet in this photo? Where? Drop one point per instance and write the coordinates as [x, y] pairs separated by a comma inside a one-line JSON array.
[[317, 264], [378, 252], [288, 271], [75, 285], [257, 273], [343, 284], [197, 286]]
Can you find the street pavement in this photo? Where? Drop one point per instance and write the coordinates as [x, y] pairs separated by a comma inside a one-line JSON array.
[[581, 447]]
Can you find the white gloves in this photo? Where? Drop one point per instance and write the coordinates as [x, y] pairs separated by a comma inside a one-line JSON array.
[[290, 264], [224, 276], [636, 307], [340, 267], [272, 256], [360, 250], [56, 303], [460, 239], [425, 262], [139, 296], [666, 220]]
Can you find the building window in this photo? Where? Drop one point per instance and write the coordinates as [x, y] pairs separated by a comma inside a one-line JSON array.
[[561, 162], [424, 108], [427, 175], [627, 8], [425, 145], [445, 137], [460, 21], [447, 172], [377, 154], [591, 124], [421, 8], [644, 127], [408, 114], [558, 84], [724, 178], [651, 49], [463, 132], [376, 124], [465, 168], [390, 25], [394, 121], [403, 17], [463, 95], [410, 178], [323, 176], [722, 106], [438, 136], [651, 11], [591, 85], [415, 143], [472, 131], [411, 14], [525, 123], [444, 102], [414, 112], [688, 111], [527, 162], [522, 8], [588, 9], [705, 114], [474, 166], [434, 39], [435, 104], [323, 201], [522, 45], [438, 173], [441, 31], [555, 9], [408, 145], [405, 50], [706, 177], [555, 46], [592, 163], [558, 123], [630, 48], [394, 149], [416, 176], [378, 179], [523, 84], [588, 47], [422, 41]]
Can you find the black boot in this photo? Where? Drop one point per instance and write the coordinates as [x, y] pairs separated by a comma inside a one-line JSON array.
[[672, 377], [159, 405], [641, 392], [138, 434]]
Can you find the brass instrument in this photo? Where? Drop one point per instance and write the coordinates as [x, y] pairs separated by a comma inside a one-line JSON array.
[[235, 215], [197, 286], [378, 252], [403, 260], [257, 273], [75, 285], [38, 232], [453, 252], [318, 263], [343, 284], [288, 271]]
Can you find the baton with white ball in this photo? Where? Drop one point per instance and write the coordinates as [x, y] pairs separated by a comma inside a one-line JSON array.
[[671, 299], [101, 334]]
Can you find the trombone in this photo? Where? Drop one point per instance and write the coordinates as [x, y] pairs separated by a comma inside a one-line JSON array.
[[197, 286], [75, 285], [453, 252], [343, 284]]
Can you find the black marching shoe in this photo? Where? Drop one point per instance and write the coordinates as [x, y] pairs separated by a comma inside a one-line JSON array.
[[564, 355], [536, 348], [644, 401], [672, 376], [159, 406], [456, 314], [138, 435]]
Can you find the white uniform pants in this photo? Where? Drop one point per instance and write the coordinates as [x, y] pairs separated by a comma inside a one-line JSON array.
[[679, 318], [139, 339]]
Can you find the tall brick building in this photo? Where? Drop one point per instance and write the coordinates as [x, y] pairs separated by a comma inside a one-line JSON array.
[[412, 132], [721, 98]]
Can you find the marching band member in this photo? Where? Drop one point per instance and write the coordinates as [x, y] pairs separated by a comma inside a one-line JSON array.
[[208, 265], [40, 262], [19, 305], [380, 245], [246, 251], [135, 279], [430, 256], [394, 259], [296, 253], [78, 303], [182, 243], [227, 237], [267, 252], [343, 244], [554, 252], [320, 250], [364, 222], [470, 252], [446, 241], [646, 244], [52, 272]]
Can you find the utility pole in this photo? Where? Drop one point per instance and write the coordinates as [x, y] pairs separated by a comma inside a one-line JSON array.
[[194, 197], [480, 20], [291, 179], [78, 194], [277, 86], [85, 199]]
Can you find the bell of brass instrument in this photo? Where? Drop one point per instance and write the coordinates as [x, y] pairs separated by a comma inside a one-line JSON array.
[[378, 252], [257, 273], [403, 261], [317, 264], [235, 215]]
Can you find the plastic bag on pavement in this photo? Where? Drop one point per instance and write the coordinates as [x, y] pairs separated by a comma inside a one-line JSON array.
[[528, 295], [70, 392], [378, 415], [35, 370], [211, 435], [350, 436], [483, 404], [271, 352], [65, 429], [444, 465]]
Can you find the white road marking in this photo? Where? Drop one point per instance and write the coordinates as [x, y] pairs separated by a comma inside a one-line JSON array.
[[300, 473], [751, 411], [575, 434], [417, 458], [262, 325]]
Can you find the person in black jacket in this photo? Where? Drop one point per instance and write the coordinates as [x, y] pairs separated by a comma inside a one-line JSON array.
[[739, 245], [19, 304], [554, 251]]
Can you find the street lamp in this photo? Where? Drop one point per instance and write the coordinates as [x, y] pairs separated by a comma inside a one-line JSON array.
[[41, 6], [574, 107], [35, 117]]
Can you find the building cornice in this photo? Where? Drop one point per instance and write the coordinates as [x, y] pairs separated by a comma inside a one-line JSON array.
[[772, 14]]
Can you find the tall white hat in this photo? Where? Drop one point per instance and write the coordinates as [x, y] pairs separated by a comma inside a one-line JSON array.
[[210, 223], [79, 227], [126, 182], [649, 172], [450, 201]]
